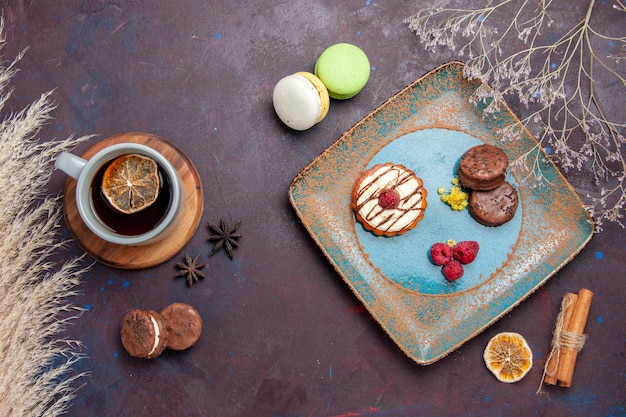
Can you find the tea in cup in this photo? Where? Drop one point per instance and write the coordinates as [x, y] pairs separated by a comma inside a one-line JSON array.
[[127, 193]]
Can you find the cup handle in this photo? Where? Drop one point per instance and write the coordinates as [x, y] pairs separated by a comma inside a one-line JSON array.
[[71, 164]]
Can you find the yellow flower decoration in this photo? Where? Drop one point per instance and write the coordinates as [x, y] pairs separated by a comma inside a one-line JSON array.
[[456, 198]]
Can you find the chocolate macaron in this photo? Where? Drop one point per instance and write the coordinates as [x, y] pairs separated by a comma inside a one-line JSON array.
[[493, 207], [143, 333], [483, 167], [183, 325]]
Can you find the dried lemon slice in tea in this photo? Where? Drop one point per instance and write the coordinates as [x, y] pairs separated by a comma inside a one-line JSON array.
[[131, 183], [508, 356]]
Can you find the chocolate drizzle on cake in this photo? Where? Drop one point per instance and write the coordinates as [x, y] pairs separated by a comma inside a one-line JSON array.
[[389, 221]]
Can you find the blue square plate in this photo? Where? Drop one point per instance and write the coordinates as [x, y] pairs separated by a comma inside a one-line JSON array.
[[427, 127]]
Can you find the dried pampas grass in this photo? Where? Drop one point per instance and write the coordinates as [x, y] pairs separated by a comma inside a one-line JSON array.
[[36, 377]]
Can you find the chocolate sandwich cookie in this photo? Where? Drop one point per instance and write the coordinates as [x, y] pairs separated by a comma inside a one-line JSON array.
[[493, 207], [183, 325], [143, 333], [483, 167]]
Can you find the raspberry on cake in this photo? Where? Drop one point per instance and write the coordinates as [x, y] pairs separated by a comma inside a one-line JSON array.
[[389, 199]]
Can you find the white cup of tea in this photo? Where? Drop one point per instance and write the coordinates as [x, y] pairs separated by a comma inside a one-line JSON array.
[[144, 227]]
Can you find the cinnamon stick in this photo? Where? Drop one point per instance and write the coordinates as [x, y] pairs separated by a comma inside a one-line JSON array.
[[576, 327], [567, 310]]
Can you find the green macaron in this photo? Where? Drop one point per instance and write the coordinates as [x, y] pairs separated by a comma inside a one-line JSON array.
[[344, 69]]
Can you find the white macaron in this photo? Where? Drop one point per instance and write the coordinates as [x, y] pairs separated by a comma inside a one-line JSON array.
[[301, 100]]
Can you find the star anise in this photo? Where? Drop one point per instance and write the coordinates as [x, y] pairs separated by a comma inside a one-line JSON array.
[[225, 237], [190, 268]]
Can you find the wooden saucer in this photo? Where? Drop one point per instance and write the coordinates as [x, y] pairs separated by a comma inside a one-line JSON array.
[[137, 257]]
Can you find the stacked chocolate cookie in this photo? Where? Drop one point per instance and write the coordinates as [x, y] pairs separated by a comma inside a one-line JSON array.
[[482, 169]]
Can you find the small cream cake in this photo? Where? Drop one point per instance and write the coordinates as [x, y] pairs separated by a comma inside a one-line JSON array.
[[389, 199]]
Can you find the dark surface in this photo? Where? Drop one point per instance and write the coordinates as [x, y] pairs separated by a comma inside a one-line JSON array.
[[283, 335]]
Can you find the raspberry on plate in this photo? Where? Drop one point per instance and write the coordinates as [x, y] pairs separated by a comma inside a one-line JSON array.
[[466, 251], [452, 270], [440, 253]]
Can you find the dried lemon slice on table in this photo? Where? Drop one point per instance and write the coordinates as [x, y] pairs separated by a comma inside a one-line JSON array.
[[508, 356], [131, 183]]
